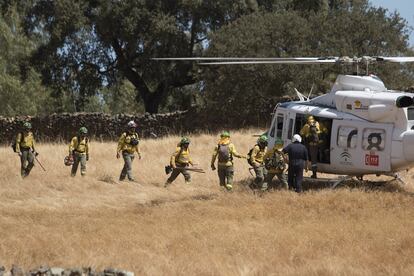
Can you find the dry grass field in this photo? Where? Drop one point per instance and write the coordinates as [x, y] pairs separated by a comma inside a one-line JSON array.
[[198, 229]]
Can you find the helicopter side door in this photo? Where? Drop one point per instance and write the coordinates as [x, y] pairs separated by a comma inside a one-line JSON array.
[[359, 147], [277, 129]]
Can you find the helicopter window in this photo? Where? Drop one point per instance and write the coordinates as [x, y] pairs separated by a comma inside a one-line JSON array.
[[290, 129], [279, 125], [347, 137], [373, 139], [410, 113]]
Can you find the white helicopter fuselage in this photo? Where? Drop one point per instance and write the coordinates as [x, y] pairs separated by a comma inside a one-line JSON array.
[[366, 129]]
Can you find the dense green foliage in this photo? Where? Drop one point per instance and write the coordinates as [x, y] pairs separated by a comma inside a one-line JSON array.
[[353, 31], [95, 55]]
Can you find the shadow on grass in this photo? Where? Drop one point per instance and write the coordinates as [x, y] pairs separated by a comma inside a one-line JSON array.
[[308, 184]]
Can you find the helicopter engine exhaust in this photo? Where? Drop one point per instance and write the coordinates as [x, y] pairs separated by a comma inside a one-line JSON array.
[[404, 101]]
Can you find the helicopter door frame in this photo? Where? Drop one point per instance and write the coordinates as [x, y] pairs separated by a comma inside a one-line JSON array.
[[361, 145], [278, 127]]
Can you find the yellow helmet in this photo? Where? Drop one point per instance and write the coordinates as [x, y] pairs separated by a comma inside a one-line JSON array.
[[310, 119]]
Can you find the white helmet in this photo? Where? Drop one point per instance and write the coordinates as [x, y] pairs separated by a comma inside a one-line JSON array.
[[296, 138], [132, 124]]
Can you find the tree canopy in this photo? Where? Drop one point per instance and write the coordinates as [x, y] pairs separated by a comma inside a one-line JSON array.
[[327, 30], [96, 55]]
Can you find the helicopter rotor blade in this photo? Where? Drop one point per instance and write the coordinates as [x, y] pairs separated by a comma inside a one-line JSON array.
[[238, 60], [289, 60], [270, 62], [395, 59]]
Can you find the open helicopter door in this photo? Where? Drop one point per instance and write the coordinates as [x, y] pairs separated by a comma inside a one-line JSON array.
[[277, 127], [360, 147], [282, 127]]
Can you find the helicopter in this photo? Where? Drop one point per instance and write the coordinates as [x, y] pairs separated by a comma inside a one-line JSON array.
[[369, 129]]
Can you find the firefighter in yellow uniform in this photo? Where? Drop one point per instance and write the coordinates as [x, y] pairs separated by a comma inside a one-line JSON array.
[[128, 145], [275, 164], [324, 143], [225, 151], [25, 148], [311, 131], [79, 151], [256, 160], [180, 160]]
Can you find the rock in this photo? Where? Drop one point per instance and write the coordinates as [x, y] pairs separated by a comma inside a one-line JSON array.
[[43, 270], [17, 271], [73, 272], [56, 271], [2, 270]]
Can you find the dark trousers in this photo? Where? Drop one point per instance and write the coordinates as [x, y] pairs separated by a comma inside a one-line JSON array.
[[295, 177]]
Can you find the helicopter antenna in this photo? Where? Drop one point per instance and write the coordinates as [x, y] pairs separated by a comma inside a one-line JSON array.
[[310, 92], [300, 96]]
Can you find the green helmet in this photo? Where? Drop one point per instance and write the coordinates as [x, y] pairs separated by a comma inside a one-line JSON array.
[[279, 141], [184, 141], [83, 130], [262, 139], [27, 125], [278, 144], [225, 134]]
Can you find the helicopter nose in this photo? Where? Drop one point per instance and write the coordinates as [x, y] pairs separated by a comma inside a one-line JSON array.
[[408, 145]]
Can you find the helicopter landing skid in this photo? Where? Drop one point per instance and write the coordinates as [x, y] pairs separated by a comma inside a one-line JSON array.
[[397, 177], [342, 179]]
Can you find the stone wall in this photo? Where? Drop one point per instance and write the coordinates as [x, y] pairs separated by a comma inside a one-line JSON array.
[[57, 271], [61, 127]]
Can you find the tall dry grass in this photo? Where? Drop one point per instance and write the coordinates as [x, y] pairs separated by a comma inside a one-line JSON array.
[[50, 218]]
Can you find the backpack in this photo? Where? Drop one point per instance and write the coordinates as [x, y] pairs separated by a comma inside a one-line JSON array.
[[313, 134], [276, 161], [13, 144], [249, 155], [224, 153]]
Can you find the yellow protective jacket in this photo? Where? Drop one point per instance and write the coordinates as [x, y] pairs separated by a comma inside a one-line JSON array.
[[181, 157], [25, 140], [269, 154], [305, 131], [124, 143], [256, 158], [81, 146], [232, 152]]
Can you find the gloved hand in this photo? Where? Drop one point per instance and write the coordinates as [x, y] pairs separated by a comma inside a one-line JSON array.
[[213, 167], [118, 155], [87, 157], [19, 154], [35, 153]]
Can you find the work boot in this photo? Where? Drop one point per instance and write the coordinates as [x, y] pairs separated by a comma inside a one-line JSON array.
[[229, 187], [314, 173]]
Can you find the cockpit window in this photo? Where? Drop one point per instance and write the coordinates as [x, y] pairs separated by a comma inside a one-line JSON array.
[[375, 77], [410, 113]]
